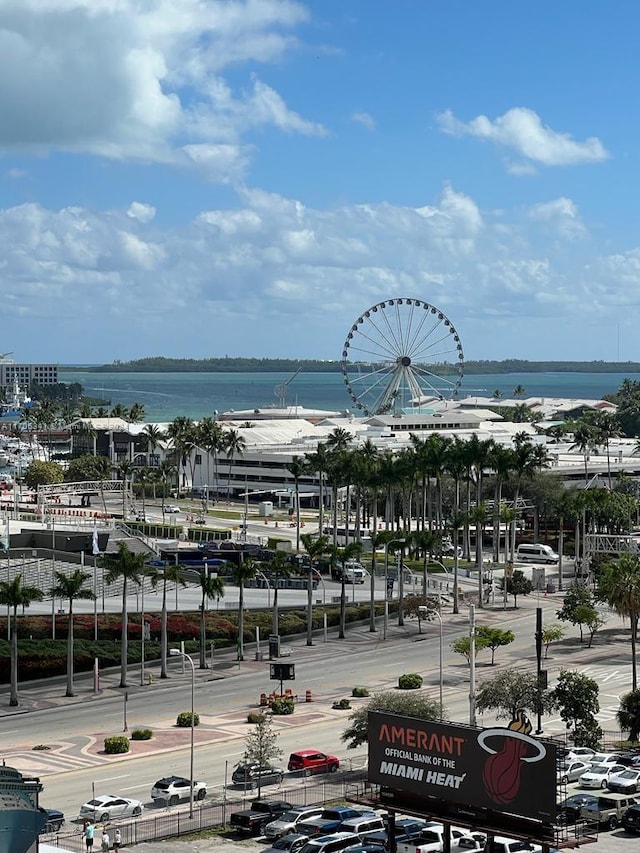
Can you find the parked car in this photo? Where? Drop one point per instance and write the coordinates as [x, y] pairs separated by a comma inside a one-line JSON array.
[[604, 758], [293, 842], [363, 825], [334, 843], [289, 821], [108, 807], [627, 782], [330, 820], [608, 810], [261, 813], [171, 508], [173, 789], [367, 847], [251, 774], [55, 821], [582, 753], [311, 761], [572, 770], [631, 819], [599, 774], [569, 810]]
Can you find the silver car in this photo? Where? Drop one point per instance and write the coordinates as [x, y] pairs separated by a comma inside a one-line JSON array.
[[289, 821], [108, 807]]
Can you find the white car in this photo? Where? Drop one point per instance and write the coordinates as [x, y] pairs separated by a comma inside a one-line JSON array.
[[173, 789], [108, 807], [626, 782], [569, 771], [604, 758], [582, 753], [599, 774], [171, 508]]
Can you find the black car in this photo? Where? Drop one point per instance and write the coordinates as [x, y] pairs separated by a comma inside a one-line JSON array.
[[569, 810], [631, 819], [248, 774], [55, 820]]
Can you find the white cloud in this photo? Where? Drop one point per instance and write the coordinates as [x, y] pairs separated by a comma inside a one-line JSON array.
[[522, 131], [127, 79], [141, 212], [365, 119], [561, 215]]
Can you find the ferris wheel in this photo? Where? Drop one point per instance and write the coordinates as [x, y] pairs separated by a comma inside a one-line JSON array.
[[399, 354]]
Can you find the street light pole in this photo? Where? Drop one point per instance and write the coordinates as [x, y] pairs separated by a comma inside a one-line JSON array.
[[472, 665], [185, 656]]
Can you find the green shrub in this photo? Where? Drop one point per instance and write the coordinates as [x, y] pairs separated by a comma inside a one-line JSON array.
[[41, 747], [254, 716], [184, 719], [360, 692], [282, 706], [341, 705], [141, 734], [410, 681], [116, 745]]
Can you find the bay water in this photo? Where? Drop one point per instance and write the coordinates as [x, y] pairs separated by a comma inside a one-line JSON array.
[[166, 396]]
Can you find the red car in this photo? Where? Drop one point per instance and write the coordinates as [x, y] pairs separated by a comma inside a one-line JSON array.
[[311, 761]]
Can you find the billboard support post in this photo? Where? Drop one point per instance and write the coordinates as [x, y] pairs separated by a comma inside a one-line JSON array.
[[539, 667], [472, 665]]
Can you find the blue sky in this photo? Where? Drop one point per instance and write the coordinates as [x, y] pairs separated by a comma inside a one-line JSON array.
[[200, 178]]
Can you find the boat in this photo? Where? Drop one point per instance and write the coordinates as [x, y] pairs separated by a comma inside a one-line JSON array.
[[21, 821], [18, 402]]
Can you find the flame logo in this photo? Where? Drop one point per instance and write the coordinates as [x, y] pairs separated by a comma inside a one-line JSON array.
[[502, 770]]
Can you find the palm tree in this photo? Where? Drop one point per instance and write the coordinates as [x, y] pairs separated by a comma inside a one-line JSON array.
[[619, 586], [457, 521], [180, 432], [350, 552], [245, 571], [71, 587], [145, 476], [497, 394], [628, 714], [315, 548], [607, 427], [136, 413], [297, 467], [154, 436], [318, 463], [278, 567], [126, 470], [166, 470], [234, 445], [518, 391], [127, 567], [586, 440], [169, 573], [12, 596], [210, 587]]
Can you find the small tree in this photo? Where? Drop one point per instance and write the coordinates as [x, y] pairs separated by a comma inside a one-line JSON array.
[[517, 585], [511, 690], [406, 703], [575, 597], [588, 616], [462, 646], [576, 697], [628, 714], [495, 637], [261, 744], [551, 634]]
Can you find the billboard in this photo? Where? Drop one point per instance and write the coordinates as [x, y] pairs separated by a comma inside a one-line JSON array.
[[496, 769]]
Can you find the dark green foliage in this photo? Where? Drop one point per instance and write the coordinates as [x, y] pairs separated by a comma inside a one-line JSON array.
[[405, 704], [576, 696], [254, 716], [628, 715], [183, 720], [341, 705], [141, 734], [116, 745], [359, 692], [410, 681], [282, 706]]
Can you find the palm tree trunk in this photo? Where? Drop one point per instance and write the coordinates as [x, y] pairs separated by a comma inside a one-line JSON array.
[[310, 602], [13, 697], [343, 606], [274, 614], [163, 632], [70, 652], [372, 597], [124, 650], [241, 620], [203, 635], [298, 517], [634, 672]]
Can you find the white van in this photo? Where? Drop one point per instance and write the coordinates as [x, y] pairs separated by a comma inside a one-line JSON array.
[[535, 553], [354, 572]]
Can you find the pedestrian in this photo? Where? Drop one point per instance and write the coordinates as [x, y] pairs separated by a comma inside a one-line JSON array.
[[89, 831], [117, 840], [106, 842]]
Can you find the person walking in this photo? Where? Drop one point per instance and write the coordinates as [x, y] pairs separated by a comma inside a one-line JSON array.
[[117, 840], [106, 841], [89, 832]]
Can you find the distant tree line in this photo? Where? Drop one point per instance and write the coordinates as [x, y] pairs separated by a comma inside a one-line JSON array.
[[161, 364]]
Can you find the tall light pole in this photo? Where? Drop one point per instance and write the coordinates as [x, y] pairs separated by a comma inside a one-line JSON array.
[[386, 585], [425, 611], [472, 665], [185, 656]]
